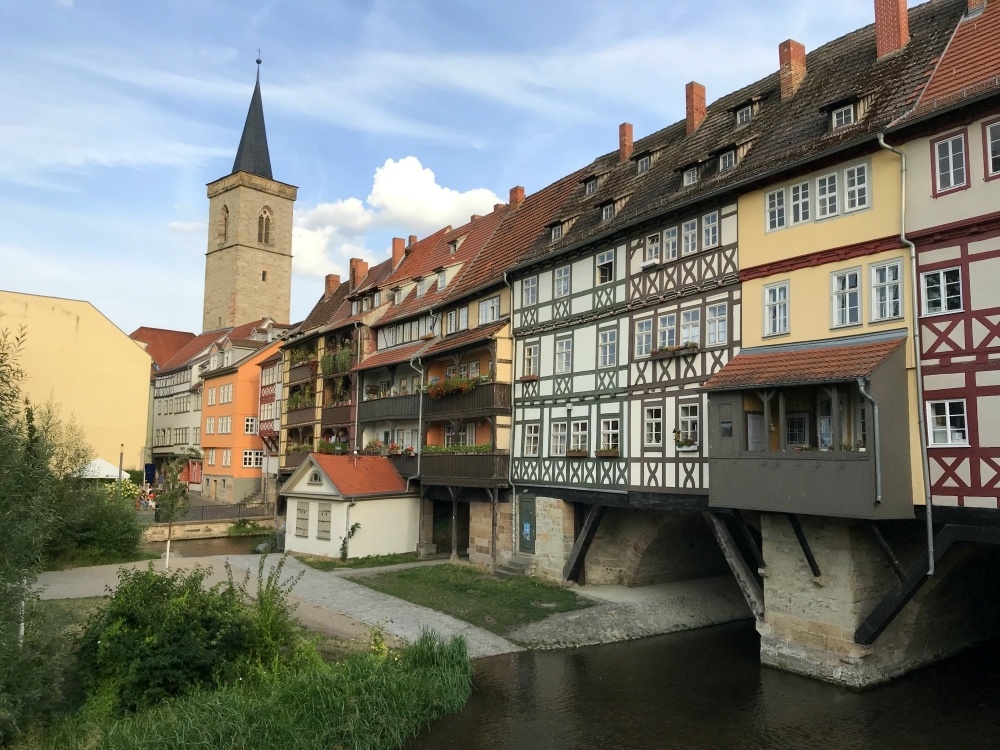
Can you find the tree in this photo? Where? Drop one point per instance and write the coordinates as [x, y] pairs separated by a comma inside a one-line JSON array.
[[172, 502]]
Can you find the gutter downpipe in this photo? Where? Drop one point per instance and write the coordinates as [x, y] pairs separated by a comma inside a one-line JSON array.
[[415, 364], [914, 303], [357, 391], [510, 464], [862, 386]]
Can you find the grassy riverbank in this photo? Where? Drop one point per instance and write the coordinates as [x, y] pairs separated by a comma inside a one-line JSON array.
[[327, 564], [469, 594]]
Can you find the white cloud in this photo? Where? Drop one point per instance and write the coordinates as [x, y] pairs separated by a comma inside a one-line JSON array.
[[405, 199]]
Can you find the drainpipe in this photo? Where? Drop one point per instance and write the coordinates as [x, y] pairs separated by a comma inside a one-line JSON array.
[[357, 389], [415, 364], [878, 439], [510, 463], [914, 303]]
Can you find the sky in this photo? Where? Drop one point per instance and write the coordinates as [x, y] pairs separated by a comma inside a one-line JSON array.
[[392, 117]]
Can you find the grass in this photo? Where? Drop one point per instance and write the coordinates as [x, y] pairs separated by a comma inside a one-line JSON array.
[[86, 558], [372, 561], [464, 592]]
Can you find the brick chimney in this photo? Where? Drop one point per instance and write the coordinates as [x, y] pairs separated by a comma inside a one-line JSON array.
[[516, 196], [412, 241], [892, 26], [694, 97], [625, 144], [398, 250], [475, 217], [792, 57], [332, 282], [359, 270]]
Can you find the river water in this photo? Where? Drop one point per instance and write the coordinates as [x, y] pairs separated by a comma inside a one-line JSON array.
[[706, 689]]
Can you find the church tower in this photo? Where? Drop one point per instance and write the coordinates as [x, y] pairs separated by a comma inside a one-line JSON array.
[[248, 266]]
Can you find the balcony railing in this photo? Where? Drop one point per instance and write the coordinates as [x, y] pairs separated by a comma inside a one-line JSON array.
[[305, 415], [392, 407], [465, 470], [293, 460], [337, 414], [267, 428], [304, 371], [486, 398], [405, 465]]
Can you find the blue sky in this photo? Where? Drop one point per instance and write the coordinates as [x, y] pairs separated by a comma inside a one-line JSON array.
[[393, 118]]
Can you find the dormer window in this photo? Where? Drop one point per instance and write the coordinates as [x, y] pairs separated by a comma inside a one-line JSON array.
[[727, 160], [557, 232], [843, 116], [397, 296], [590, 186], [378, 298], [690, 176], [452, 247], [744, 115], [354, 307], [607, 212], [442, 280], [421, 287], [314, 478], [643, 164], [366, 303]]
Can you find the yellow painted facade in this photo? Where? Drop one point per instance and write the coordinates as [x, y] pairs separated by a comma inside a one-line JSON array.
[[80, 360]]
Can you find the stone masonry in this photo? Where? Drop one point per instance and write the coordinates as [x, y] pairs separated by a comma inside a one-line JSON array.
[[480, 533]]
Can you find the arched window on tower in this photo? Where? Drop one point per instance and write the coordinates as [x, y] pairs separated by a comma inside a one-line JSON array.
[[264, 227], [224, 228]]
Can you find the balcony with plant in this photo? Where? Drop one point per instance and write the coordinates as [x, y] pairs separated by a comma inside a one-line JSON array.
[[336, 361]]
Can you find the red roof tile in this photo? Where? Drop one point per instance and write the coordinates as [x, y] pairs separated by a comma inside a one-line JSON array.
[[194, 347], [357, 476], [161, 343], [464, 338], [819, 364], [393, 356]]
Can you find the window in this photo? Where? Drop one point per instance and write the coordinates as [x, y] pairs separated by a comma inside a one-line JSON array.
[[253, 459], [689, 237], [717, 324], [397, 296], [606, 267], [991, 142], [886, 299], [580, 436], [800, 202], [323, 520], [451, 321], [227, 457], [224, 234], [946, 422], [667, 327], [209, 425], [670, 244], [442, 280], [688, 414], [843, 116], [608, 348], [776, 309], [727, 161], [855, 188], [211, 456], [473, 369], [710, 230], [564, 356], [652, 248], [949, 162], [743, 115], [489, 310], [532, 433], [225, 425], [609, 435], [463, 318], [643, 337], [264, 227], [453, 247], [690, 176], [691, 327], [942, 291], [775, 209], [846, 297], [557, 446], [529, 291], [607, 212], [302, 518], [250, 426], [826, 195], [226, 394], [652, 421], [562, 282], [643, 164], [197, 436], [590, 186], [263, 275], [211, 397], [557, 232], [797, 429], [421, 288], [530, 359], [227, 358], [451, 371]]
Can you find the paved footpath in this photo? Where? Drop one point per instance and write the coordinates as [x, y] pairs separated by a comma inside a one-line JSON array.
[[331, 591]]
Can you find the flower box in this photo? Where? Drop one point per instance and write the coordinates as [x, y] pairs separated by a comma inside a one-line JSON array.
[[674, 351], [577, 454], [687, 448], [607, 453], [527, 379], [646, 265]]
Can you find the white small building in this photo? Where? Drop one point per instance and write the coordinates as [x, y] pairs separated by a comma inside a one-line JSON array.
[[329, 495]]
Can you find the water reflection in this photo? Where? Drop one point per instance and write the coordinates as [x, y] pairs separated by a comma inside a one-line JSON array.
[[207, 547], [706, 689]]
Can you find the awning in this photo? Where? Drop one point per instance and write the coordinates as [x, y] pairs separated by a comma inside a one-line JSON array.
[[100, 469]]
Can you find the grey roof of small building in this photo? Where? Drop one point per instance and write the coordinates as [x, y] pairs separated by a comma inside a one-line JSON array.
[[252, 155]]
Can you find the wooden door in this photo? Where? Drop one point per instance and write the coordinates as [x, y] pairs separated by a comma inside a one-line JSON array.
[[756, 434]]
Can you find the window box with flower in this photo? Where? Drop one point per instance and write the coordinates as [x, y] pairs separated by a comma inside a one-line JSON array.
[[669, 352], [607, 451], [577, 454]]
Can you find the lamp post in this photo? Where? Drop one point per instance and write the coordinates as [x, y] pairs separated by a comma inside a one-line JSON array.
[[121, 461]]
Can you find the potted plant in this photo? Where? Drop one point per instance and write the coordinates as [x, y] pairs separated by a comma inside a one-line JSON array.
[[408, 450], [666, 352], [395, 448], [374, 447]]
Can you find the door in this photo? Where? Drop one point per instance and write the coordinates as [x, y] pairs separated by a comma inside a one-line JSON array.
[[526, 516], [755, 432], [214, 490]]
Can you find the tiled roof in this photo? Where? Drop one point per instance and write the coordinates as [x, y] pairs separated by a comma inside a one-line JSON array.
[[194, 347], [783, 135], [393, 356], [464, 338], [357, 476], [324, 310], [969, 66], [274, 358], [424, 256], [161, 343], [792, 365], [376, 277]]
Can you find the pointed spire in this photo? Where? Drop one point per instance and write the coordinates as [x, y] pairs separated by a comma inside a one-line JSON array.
[[252, 155]]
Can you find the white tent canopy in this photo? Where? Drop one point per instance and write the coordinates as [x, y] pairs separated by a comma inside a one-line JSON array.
[[101, 469]]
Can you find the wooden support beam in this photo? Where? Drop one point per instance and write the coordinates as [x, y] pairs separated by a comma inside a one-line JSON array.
[[578, 554], [804, 544], [893, 560], [745, 579]]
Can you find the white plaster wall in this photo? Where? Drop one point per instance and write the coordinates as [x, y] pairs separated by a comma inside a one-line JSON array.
[[388, 526]]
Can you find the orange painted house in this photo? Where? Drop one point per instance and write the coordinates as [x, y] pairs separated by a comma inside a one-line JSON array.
[[232, 452]]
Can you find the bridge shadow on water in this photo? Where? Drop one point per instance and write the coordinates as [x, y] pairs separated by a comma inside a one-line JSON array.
[[706, 689]]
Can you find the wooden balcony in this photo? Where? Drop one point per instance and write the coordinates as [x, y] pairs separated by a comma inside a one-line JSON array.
[[267, 428], [304, 371], [484, 399], [306, 415], [338, 414], [405, 465], [293, 460], [465, 470], [391, 407]]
